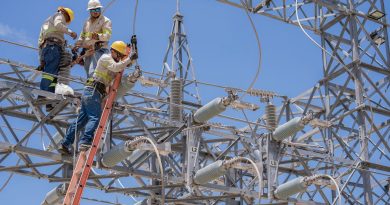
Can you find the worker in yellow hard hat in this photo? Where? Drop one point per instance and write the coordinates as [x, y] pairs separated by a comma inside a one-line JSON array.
[[51, 43], [94, 92], [95, 35]]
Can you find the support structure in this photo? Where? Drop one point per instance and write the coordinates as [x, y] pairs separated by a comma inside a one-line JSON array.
[[178, 70], [352, 97], [346, 137]]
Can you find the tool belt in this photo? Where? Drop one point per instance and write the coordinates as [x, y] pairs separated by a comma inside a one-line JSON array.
[[100, 87], [52, 40]]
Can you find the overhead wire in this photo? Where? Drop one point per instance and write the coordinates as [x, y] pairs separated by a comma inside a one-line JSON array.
[[81, 81], [140, 139], [258, 43], [258, 46], [135, 16], [259, 176], [19, 44], [337, 188], [258, 70]]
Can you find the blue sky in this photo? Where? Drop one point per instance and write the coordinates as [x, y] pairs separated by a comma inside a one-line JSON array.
[[221, 40]]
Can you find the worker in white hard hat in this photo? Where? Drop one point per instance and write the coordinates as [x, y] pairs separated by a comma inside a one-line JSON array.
[[94, 92], [94, 37], [51, 43]]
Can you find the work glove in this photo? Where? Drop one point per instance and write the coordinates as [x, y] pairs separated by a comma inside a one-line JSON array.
[[133, 55]]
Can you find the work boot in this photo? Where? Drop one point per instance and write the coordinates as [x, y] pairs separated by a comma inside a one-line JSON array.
[[64, 150], [63, 89], [84, 147]]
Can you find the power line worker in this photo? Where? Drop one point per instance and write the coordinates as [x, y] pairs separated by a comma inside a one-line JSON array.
[[96, 33], [51, 43], [94, 91]]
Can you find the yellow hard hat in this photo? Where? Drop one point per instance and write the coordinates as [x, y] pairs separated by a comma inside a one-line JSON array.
[[69, 12], [119, 46]]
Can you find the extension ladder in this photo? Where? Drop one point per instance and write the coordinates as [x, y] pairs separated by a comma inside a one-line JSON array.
[[85, 159]]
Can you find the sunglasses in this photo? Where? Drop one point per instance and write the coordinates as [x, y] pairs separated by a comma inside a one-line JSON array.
[[95, 10]]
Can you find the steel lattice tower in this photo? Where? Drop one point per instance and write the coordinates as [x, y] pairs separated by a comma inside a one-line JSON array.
[[348, 110], [353, 94]]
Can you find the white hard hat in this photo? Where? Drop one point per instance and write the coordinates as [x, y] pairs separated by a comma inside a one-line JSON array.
[[93, 4]]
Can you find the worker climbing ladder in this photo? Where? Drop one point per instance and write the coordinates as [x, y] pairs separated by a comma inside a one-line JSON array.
[[85, 159]]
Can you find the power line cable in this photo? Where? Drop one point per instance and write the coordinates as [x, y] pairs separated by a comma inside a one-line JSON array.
[[135, 16], [258, 46], [80, 80], [19, 44]]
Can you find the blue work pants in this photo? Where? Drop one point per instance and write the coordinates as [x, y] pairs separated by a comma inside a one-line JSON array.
[[88, 117], [90, 62], [51, 54]]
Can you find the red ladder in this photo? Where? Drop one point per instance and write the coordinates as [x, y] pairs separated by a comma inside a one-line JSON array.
[[85, 160]]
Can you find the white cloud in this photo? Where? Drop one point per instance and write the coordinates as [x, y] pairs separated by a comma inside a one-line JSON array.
[[14, 34]]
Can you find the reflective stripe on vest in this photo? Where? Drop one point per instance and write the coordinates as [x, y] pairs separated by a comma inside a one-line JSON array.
[[50, 30], [103, 75], [107, 31], [48, 77], [89, 34]]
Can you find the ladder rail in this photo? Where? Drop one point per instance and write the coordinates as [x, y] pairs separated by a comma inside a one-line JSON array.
[[84, 164]]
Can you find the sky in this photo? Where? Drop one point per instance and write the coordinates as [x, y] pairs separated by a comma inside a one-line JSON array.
[[222, 44]]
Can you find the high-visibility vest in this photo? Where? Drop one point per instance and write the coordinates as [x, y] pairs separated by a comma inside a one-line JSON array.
[[102, 26], [107, 68], [54, 27]]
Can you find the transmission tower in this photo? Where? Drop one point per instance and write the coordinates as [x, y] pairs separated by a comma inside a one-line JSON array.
[[178, 70], [331, 138], [352, 97]]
